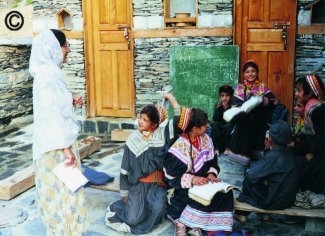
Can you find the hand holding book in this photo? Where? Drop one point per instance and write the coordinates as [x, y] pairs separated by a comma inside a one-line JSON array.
[[205, 193], [70, 176]]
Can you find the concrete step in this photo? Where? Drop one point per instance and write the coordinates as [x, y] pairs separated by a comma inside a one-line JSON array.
[[103, 126]]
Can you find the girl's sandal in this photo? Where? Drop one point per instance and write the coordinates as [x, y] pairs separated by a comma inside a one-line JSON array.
[[180, 230], [195, 232]]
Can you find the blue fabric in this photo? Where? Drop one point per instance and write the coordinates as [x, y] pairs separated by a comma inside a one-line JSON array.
[[96, 177], [240, 232], [280, 112]]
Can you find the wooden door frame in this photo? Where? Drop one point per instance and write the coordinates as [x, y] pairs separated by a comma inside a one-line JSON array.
[[238, 16], [237, 35], [89, 40]]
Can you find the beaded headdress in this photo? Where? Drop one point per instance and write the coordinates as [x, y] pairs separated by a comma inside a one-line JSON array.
[[161, 113], [314, 85], [185, 117]]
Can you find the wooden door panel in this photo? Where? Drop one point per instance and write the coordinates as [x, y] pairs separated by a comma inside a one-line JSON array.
[[276, 75], [106, 80], [264, 36], [265, 47], [113, 58], [111, 37], [260, 35], [253, 10], [279, 10]]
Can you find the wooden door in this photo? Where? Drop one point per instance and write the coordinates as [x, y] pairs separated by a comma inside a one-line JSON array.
[[265, 32], [109, 57]]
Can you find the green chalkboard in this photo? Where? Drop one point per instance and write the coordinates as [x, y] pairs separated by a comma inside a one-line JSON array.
[[196, 73]]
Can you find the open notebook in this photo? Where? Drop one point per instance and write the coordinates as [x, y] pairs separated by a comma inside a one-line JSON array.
[[71, 177], [205, 193]]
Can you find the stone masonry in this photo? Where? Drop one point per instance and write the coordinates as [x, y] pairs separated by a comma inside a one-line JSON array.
[[15, 83], [74, 72], [48, 8], [151, 70], [310, 55], [152, 64], [310, 49]]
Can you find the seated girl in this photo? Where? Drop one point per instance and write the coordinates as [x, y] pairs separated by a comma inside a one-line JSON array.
[[191, 161], [141, 180], [248, 136], [310, 91], [221, 130]]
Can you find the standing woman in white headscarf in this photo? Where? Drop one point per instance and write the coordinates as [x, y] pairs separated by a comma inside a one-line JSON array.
[[55, 133]]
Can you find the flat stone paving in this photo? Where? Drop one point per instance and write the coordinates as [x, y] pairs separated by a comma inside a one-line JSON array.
[[24, 220], [15, 151]]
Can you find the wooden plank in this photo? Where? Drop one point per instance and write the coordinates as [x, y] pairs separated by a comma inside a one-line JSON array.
[[173, 33], [89, 58], [121, 134], [74, 34], [89, 145], [185, 19], [311, 29], [17, 183], [293, 211], [70, 34], [113, 186], [276, 47], [25, 179]]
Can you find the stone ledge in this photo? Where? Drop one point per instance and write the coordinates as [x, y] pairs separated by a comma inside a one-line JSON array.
[[105, 125]]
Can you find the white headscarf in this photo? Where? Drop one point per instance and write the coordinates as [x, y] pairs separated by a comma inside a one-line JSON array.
[[55, 124]]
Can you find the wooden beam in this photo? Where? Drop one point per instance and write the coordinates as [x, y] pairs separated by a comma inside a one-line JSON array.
[[70, 34], [74, 34], [175, 20], [292, 211], [311, 29], [25, 179], [174, 33]]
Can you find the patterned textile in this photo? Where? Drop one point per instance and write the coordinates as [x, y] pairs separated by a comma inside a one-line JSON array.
[[186, 180], [62, 212], [299, 127], [138, 144], [242, 92], [181, 151], [185, 117], [311, 105], [314, 86], [162, 113], [209, 221], [238, 158]]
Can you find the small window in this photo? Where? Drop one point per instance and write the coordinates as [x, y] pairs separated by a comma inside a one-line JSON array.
[[317, 10], [64, 19], [181, 13]]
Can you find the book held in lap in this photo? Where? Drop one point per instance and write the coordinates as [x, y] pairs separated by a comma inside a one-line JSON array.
[[70, 176], [205, 193]]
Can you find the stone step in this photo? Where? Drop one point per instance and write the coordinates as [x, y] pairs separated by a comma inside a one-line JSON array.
[[23, 179], [103, 126]]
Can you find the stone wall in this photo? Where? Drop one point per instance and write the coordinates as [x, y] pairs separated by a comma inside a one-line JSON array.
[[310, 55], [74, 72], [310, 49], [152, 64], [44, 13], [149, 14], [215, 7], [44, 16], [15, 83], [49, 8], [148, 8]]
